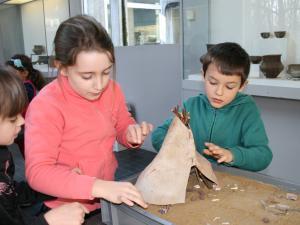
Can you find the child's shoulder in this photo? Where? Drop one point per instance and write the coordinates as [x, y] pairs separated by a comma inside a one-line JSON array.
[[51, 89], [242, 99], [245, 105], [198, 99], [50, 94]]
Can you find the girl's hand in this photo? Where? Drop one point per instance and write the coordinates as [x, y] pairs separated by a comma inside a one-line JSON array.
[[67, 214], [118, 192], [136, 134], [221, 154]]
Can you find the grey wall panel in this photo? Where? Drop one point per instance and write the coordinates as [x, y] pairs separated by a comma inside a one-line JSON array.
[[282, 122], [151, 80]]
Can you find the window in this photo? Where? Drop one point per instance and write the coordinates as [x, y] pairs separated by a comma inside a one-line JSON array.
[[143, 23], [137, 22]]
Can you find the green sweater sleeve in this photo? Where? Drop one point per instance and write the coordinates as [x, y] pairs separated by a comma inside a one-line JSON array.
[[253, 158], [254, 153], [158, 135]]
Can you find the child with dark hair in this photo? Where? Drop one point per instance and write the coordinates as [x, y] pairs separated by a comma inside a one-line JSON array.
[[32, 78], [12, 194], [226, 123], [74, 121]]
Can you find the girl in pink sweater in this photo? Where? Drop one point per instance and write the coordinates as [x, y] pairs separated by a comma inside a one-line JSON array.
[[71, 125]]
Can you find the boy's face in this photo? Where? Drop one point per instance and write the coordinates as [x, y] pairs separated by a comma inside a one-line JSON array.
[[221, 89], [9, 129]]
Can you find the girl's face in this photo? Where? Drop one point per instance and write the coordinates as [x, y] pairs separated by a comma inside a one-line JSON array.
[[90, 74], [9, 129], [221, 89], [22, 74]]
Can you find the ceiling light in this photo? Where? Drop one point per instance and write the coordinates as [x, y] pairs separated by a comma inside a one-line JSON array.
[[17, 2]]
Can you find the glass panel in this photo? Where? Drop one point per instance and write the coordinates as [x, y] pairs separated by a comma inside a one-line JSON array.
[[11, 34], [101, 10], [143, 26], [195, 34], [151, 22], [137, 22], [145, 1], [33, 26]]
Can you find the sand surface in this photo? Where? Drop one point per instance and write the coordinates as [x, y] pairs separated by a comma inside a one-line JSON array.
[[238, 200]]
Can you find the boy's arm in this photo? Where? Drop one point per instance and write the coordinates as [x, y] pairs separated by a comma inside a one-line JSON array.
[[26, 196], [255, 158], [254, 153], [6, 218], [158, 135], [17, 219]]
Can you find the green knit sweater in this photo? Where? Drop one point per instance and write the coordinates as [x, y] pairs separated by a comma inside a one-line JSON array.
[[237, 127]]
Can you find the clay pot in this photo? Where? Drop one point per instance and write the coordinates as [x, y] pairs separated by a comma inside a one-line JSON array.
[[255, 59], [265, 35], [279, 34], [271, 65]]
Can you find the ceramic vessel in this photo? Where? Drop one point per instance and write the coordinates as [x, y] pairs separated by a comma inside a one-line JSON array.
[[265, 35], [294, 70], [255, 59], [271, 65], [279, 34], [38, 49]]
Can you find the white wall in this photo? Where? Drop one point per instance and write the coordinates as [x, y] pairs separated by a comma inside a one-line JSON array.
[[56, 11], [33, 25], [242, 21]]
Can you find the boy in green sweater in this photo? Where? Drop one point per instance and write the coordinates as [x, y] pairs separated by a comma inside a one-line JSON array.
[[226, 123]]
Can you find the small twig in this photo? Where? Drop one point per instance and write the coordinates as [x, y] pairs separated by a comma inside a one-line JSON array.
[[184, 116], [164, 209]]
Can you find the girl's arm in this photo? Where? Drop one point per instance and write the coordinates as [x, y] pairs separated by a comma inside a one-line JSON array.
[[44, 128], [129, 133]]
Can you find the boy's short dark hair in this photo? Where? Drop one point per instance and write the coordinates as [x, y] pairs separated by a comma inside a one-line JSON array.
[[230, 59], [13, 98]]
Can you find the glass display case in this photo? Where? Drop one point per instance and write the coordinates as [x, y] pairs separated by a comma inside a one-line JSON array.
[[33, 26], [195, 34]]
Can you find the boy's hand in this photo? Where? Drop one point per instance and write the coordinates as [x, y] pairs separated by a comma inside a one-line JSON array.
[[67, 214], [136, 134], [221, 154]]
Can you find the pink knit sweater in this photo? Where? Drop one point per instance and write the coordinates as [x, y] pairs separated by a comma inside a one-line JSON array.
[[65, 131]]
